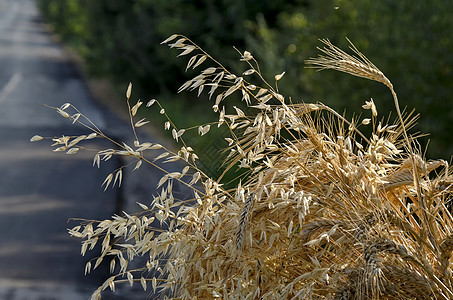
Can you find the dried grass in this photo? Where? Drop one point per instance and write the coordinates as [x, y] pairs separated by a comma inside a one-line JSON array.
[[325, 212]]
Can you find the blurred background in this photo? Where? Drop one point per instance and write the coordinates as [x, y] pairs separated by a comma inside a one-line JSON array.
[[410, 41], [114, 42], [40, 190]]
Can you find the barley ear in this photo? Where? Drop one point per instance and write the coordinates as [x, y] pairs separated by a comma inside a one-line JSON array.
[[359, 65]]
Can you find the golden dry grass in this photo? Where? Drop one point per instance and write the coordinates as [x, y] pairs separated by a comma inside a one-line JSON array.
[[324, 213]]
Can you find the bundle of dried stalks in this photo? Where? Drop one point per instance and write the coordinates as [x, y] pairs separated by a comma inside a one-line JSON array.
[[324, 213]]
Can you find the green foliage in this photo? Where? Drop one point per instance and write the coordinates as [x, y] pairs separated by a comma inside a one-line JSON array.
[[69, 17], [120, 37], [410, 41]]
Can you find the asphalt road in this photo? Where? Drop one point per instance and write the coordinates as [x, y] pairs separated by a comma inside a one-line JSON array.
[[40, 189]]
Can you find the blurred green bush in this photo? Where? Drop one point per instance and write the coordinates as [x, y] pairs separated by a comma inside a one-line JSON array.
[[410, 41]]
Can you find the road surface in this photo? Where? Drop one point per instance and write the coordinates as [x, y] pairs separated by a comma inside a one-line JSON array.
[[39, 189]]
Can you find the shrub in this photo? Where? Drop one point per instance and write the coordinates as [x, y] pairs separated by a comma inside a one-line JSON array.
[[322, 211]]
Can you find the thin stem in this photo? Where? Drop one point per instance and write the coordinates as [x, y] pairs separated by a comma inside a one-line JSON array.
[[344, 120], [131, 118], [426, 222]]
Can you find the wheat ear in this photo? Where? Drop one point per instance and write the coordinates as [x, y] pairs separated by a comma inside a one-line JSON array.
[[244, 220], [409, 283], [446, 248]]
